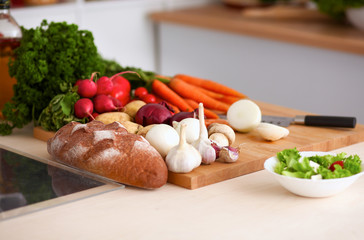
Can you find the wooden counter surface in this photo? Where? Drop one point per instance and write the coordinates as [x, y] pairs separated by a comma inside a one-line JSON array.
[[311, 29], [252, 206]]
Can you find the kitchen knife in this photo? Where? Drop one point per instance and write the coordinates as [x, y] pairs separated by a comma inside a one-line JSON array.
[[312, 120]]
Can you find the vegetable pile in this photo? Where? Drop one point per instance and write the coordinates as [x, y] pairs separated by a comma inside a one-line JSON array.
[[49, 60], [316, 167], [61, 78]]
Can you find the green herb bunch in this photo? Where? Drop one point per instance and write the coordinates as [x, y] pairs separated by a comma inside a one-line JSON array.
[[49, 60], [336, 8]]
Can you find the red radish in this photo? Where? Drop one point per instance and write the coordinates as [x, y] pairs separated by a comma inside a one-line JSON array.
[[149, 98], [140, 92], [104, 103], [84, 108], [122, 83], [93, 116], [104, 86], [78, 82], [120, 94], [87, 87], [116, 102], [119, 80]]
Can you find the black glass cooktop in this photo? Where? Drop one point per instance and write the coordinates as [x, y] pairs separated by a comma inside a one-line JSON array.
[[25, 181]]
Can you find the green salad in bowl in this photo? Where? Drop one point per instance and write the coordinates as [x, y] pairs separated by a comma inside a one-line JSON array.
[[314, 174], [327, 166]]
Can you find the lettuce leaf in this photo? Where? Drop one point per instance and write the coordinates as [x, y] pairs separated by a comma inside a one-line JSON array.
[[292, 164]]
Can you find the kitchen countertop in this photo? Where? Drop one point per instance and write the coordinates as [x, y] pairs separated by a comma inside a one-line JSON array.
[[252, 206], [308, 29]]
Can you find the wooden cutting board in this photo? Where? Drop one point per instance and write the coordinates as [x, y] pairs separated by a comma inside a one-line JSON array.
[[255, 150]]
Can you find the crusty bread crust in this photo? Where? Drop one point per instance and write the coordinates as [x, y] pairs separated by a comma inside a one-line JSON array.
[[110, 151]]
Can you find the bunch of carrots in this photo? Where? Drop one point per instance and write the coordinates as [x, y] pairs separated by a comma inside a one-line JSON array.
[[183, 93]]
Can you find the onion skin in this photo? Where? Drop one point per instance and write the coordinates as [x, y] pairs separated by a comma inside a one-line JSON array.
[[152, 113], [180, 116]]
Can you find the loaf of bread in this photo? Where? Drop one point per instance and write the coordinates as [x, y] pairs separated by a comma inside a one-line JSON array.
[[110, 151]]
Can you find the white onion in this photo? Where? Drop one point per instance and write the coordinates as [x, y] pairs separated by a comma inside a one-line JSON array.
[[162, 137], [244, 115]]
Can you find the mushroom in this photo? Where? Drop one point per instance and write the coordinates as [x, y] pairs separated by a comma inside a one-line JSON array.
[[222, 134]]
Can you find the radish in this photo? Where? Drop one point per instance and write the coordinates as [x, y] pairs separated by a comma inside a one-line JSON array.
[[104, 103], [87, 87], [244, 115], [121, 81], [118, 104], [121, 94], [104, 85], [84, 108], [93, 116]]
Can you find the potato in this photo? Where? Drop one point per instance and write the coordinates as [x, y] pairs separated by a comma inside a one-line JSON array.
[[111, 117], [143, 131], [132, 107], [132, 127]]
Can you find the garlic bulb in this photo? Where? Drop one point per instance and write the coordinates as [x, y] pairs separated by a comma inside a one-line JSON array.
[[192, 128], [183, 158], [203, 144]]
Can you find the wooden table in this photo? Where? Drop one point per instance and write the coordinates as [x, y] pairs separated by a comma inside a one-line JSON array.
[[252, 206]]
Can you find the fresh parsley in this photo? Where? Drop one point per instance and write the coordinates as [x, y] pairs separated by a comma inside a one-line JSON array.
[[49, 60]]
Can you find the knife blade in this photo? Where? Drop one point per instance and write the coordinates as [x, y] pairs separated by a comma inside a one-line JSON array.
[[312, 120]]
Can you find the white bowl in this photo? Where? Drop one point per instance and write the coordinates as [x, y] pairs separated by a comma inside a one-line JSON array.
[[310, 187], [356, 17]]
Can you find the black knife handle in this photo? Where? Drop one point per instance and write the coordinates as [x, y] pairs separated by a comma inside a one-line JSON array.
[[330, 121]]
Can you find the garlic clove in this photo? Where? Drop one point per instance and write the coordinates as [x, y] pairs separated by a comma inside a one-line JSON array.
[[228, 154], [192, 128], [220, 139], [203, 144], [271, 132]]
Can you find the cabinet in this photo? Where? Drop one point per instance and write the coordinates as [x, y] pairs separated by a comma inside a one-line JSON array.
[[312, 66]]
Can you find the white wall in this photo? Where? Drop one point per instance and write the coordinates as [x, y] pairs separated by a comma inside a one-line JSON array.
[[121, 28], [306, 78]]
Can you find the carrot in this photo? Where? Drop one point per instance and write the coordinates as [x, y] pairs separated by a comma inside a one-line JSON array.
[[210, 93], [189, 91], [175, 108], [210, 85], [208, 113], [163, 91], [221, 97], [229, 99]]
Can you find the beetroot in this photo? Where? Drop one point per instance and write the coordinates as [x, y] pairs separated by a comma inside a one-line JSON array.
[[104, 103], [83, 108]]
